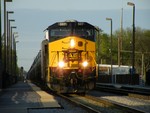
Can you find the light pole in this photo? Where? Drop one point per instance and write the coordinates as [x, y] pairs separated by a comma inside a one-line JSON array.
[[14, 49], [11, 37], [0, 49], [0, 41], [133, 38], [98, 47], [110, 19], [15, 67], [5, 33], [7, 43], [3, 81]]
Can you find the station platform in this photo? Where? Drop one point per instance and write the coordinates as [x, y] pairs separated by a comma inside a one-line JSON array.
[[22, 96]]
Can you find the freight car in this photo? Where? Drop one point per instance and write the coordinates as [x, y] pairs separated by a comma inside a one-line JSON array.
[[66, 62]]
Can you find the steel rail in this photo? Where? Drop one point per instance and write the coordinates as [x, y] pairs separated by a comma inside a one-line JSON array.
[[126, 91], [85, 107], [119, 106]]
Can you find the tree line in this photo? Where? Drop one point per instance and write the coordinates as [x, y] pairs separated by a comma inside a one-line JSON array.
[[142, 48]]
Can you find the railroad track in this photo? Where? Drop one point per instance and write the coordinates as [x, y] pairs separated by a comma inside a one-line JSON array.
[[115, 105], [102, 105], [69, 98], [92, 104], [133, 92]]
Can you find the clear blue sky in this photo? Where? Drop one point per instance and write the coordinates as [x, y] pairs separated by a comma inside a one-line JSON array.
[[33, 16]]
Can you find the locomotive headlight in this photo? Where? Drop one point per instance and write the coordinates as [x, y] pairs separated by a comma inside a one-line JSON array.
[[72, 43], [85, 63], [61, 64]]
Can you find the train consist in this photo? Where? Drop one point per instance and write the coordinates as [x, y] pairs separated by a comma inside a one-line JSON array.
[[66, 61]]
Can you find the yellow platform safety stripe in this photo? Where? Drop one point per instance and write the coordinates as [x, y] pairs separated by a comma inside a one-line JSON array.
[[46, 99]]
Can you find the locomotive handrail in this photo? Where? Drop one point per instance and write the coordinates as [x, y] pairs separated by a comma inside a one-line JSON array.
[[93, 58]]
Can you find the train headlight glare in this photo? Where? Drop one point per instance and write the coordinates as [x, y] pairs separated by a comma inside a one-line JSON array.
[[61, 64], [85, 63], [72, 43]]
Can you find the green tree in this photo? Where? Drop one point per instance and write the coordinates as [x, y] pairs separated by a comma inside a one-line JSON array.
[[142, 46], [103, 46]]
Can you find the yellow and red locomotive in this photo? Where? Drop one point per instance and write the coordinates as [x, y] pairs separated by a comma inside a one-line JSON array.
[[68, 57]]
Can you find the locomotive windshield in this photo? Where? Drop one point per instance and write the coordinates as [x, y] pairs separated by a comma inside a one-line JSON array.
[[85, 33], [61, 32], [83, 30]]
